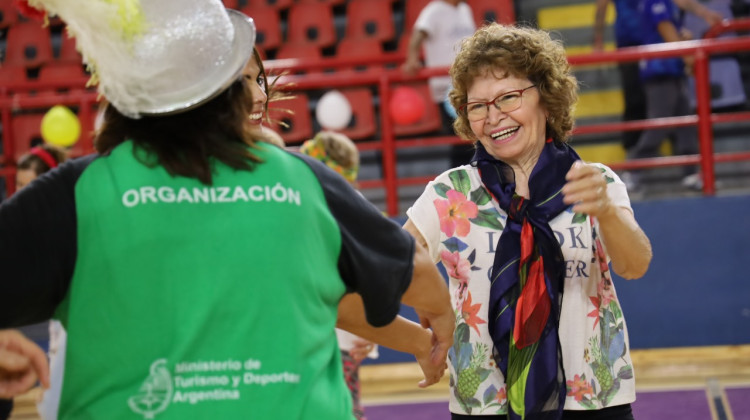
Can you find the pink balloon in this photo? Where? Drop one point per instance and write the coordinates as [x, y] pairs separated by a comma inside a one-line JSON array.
[[407, 106]]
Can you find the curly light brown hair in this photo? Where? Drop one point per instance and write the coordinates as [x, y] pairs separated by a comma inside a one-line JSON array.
[[521, 52]]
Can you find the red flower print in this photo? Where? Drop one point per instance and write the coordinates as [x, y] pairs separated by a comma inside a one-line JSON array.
[[578, 388], [606, 292], [455, 212], [501, 395], [601, 256], [457, 267], [469, 313], [594, 313]]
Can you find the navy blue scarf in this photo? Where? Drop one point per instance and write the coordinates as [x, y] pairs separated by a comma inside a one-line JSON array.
[[528, 275]]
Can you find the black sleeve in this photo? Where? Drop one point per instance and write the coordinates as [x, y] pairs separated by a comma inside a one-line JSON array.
[[38, 245], [377, 255]]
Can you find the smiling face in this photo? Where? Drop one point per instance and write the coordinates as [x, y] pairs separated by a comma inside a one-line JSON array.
[[257, 82], [516, 137]]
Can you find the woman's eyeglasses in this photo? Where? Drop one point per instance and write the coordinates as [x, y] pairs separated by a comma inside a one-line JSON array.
[[507, 102]]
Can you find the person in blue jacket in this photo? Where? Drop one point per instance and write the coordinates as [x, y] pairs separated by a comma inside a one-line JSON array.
[[628, 34], [666, 87]]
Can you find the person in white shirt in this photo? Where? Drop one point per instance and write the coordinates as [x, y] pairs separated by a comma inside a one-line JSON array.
[[439, 30], [526, 233]]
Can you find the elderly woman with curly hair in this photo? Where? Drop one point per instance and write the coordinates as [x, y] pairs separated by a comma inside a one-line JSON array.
[[526, 233]]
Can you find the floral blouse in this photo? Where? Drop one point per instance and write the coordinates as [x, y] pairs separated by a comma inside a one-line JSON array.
[[461, 224]]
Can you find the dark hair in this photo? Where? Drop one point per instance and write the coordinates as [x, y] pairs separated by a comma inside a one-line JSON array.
[[185, 143], [37, 164], [266, 88]]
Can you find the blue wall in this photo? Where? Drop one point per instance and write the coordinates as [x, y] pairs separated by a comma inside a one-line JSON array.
[[697, 290]]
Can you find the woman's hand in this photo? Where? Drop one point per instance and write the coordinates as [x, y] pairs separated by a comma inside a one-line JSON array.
[[361, 349], [432, 371], [22, 362], [627, 245], [587, 188]]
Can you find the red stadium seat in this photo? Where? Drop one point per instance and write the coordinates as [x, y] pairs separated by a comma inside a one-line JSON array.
[[430, 121], [263, 55], [362, 124], [267, 26], [8, 14], [13, 74], [276, 4], [328, 2], [68, 51], [231, 4], [27, 132], [67, 75], [297, 125], [312, 24], [413, 7], [360, 48], [487, 11], [29, 45], [302, 52], [370, 19]]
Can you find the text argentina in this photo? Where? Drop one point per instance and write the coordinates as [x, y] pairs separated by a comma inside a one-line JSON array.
[[256, 193]]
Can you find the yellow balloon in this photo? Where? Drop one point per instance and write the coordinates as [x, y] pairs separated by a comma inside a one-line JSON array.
[[60, 126]]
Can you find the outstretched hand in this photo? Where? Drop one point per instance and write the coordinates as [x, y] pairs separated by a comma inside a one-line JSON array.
[[442, 326], [361, 349], [22, 362], [432, 372], [587, 188]]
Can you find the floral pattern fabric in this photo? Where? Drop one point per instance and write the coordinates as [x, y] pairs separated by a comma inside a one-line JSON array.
[[461, 224]]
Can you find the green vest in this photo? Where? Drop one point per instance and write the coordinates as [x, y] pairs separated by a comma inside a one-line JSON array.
[[196, 302]]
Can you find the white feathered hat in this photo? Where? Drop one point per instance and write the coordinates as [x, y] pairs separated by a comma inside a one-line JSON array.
[[157, 57]]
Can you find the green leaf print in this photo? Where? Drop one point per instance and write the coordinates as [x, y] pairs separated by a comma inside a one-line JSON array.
[[473, 403], [441, 189], [454, 245], [588, 403], [488, 218], [615, 308], [489, 394], [462, 333], [579, 218], [461, 402], [607, 396], [608, 178], [480, 196], [461, 182], [626, 372]]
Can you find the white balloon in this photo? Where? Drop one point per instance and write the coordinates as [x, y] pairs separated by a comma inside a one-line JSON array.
[[333, 110]]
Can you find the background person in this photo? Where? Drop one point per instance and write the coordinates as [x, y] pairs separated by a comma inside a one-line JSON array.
[[262, 93], [30, 166], [526, 233], [438, 31], [22, 364], [190, 219], [666, 86], [37, 161], [628, 33]]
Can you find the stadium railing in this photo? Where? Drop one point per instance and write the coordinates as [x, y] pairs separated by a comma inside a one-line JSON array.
[[15, 97]]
